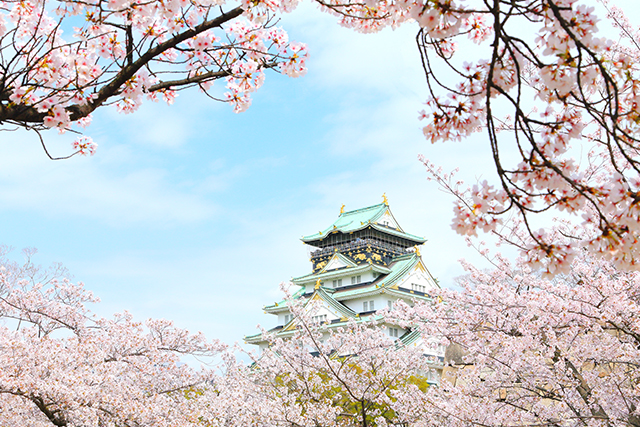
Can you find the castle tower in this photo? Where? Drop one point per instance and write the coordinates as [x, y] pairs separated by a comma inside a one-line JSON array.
[[363, 262]]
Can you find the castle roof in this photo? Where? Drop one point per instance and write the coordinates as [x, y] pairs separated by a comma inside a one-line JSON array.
[[388, 282], [360, 219]]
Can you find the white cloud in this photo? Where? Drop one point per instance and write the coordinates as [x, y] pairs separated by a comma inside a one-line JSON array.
[[382, 62], [87, 188], [161, 126], [224, 177]]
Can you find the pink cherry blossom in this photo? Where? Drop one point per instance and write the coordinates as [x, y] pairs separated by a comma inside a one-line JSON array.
[[530, 351], [85, 145], [122, 52], [62, 365]]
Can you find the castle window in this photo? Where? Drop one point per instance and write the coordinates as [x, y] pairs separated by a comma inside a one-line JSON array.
[[337, 283], [319, 319], [368, 306], [287, 318], [393, 332], [419, 288], [356, 279], [390, 305]]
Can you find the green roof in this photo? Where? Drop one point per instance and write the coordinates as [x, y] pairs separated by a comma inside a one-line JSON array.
[[282, 304], [335, 298], [259, 337], [410, 337], [328, 298], [359, 219], [384, 283], [399, 267], [339, 272]]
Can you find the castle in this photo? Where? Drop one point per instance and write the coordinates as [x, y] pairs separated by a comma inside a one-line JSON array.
[[363, 262]]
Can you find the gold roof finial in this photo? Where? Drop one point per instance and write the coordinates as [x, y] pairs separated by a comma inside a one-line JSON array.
[[317, 284], [342, 209], [417, 250], [384, 199]]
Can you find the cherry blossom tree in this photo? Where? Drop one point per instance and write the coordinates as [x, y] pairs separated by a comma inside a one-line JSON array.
[[523, 350], [61, 60], [325, 376], [62, 366], [529, 351], [558, 103]]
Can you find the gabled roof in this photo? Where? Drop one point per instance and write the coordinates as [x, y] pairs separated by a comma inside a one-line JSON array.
[[336, 273], [400, 266], [404, 264], [410, 337], [333, 298], [324, 296], [284, 332], [338, 261], [415, 338], [359, 219], [386, 284], [281, 305]]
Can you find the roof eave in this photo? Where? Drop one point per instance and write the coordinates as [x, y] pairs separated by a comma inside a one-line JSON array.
[[398, 233], [272, 309], [310, 278], [258, 338]]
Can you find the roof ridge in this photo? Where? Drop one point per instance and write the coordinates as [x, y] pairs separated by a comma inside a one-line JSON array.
[[330, 300], [403, 256], [362, 209]]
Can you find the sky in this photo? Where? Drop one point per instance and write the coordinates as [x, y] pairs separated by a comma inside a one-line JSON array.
[[193, 213]]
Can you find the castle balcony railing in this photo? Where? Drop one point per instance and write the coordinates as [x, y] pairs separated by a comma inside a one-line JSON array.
[[360, 244]]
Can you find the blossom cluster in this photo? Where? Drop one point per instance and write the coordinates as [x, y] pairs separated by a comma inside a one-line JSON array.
[[125, 51], [571, 99], [62, 365], [530, 351]]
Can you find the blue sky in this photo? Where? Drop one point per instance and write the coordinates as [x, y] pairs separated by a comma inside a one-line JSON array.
[[194, 213]]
